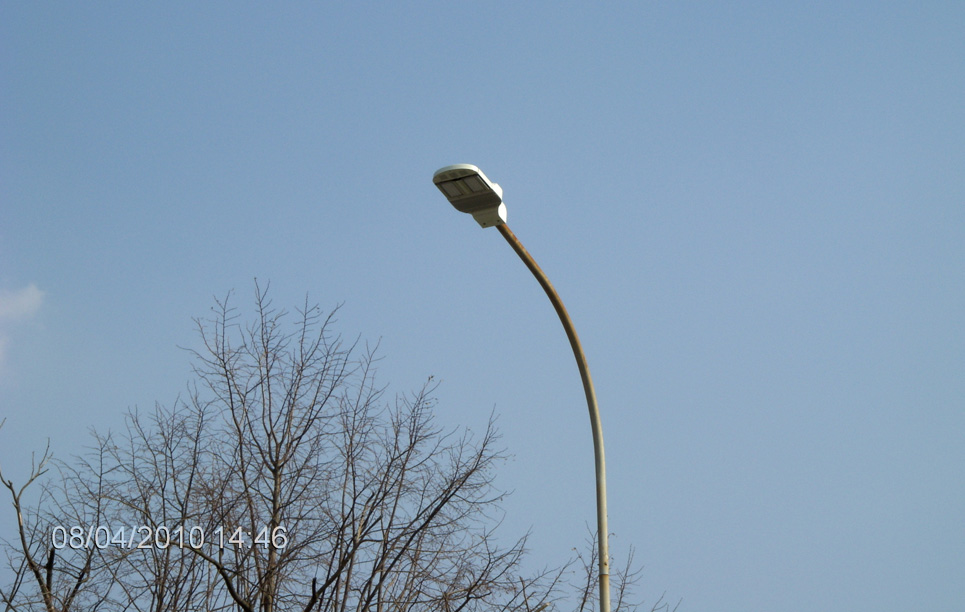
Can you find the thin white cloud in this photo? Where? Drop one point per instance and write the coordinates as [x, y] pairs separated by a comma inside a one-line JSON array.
[[22, 303], [16, 306]]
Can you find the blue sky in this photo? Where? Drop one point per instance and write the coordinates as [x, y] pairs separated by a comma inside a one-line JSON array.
[[754, 213]]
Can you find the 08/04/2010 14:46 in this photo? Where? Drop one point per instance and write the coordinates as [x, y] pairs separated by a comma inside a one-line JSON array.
[[161, 536]]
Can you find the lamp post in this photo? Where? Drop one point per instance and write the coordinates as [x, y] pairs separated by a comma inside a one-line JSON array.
[[470, 191]]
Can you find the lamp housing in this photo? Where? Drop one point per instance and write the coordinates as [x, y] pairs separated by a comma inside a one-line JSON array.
[[470, 191]]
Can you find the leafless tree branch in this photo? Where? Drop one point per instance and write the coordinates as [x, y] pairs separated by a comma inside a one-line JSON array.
[[283, 479]]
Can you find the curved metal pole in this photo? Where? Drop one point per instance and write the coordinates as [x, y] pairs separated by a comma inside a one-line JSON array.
[[601, 526]]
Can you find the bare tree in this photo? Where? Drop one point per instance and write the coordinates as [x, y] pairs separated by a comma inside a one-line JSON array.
[[623, 582], [48, 576], [283, 480]]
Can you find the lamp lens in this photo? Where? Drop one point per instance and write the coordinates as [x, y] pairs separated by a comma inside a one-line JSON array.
[[451, 189], [475, 184]]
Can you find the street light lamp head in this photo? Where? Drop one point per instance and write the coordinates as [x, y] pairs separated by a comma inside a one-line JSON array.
[[469, 191]]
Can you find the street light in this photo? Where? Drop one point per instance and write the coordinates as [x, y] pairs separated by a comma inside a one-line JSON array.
[[470, 191]]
